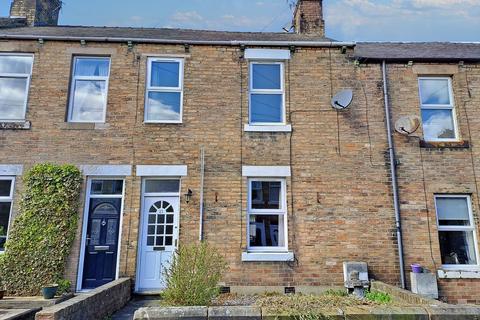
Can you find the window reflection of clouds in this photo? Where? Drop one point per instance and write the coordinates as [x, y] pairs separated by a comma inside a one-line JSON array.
[[438, 124], [163, 106], [15, 64], [435, 91], [12, 97], [89, 100]]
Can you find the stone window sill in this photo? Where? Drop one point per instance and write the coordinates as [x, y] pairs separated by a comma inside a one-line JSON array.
[[445, 144], [459, 274], [83, 126], [267, 256], [272, 128], [15, 125]]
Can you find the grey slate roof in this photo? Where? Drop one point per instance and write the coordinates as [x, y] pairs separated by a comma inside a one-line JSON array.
[[155, 33], [417, 51]]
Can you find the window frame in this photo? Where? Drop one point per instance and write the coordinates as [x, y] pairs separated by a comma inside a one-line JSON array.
[[19, 76], [472, 228], [88, 78], [149, 88], [450, 106], [274, 212], [267, 91], [10, 200]]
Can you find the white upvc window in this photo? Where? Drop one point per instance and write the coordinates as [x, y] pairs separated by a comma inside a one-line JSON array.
[[267, 215], [438, 109], [15, 75], [457, 232], [267, 94], [164, 92], [89, 89], [6, 204]]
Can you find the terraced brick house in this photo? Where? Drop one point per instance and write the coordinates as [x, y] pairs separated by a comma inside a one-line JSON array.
[[230, 137]]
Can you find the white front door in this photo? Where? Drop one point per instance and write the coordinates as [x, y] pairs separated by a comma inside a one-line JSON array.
[[159, 237]]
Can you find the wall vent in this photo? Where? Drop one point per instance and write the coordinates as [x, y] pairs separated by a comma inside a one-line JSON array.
[[289, 290], [224, 290]]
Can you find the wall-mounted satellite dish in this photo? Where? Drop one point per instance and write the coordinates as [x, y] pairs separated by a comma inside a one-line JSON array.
[[407, 125], [343, 99]]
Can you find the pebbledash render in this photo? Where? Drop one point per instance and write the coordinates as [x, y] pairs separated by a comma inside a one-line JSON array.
[[230, 137]]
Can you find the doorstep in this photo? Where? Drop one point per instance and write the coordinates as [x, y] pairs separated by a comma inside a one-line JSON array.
[[31, 302]]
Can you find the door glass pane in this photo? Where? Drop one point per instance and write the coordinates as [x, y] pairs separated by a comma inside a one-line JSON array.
[[162, 186], [457, 247], [5, 188], [266, 108], [265, 194], [95, 231], [165, 74], [163, 106], [434, 91], [438, 124], [13, 92], [107, 187], [111, 232], [453, 211], [89, 99], [16, 64], [266, 76], [89, 67], [266, 231]]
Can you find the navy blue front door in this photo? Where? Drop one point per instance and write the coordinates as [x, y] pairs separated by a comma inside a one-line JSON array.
[[101, 242]]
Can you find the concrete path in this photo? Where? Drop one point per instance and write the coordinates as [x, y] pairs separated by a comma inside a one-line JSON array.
[[137, 302]]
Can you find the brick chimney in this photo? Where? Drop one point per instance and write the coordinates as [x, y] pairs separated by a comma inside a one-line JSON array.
[[308, 18], [37, 12]]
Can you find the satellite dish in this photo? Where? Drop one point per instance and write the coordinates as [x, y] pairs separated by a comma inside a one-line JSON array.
[[343, 99], [407, 125]]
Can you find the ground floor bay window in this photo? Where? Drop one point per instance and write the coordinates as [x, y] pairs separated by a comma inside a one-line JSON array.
[[456, 228]]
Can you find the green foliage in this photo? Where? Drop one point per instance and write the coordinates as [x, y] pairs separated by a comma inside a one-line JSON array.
[[3, 232], [63, 286], [192, 279], [378, 297], [336, 293], [43, 232]]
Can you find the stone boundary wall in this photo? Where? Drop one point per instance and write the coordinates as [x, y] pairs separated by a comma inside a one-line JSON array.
[[404, 295], [448, 312], [96, 304]]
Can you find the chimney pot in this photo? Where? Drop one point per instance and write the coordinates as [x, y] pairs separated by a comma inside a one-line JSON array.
[[308, 18]]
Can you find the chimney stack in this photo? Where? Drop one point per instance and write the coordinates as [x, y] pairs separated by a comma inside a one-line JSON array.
[[37, 12], [308, 18]]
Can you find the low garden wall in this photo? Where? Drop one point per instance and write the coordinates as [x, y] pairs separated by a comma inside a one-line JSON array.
[[448, 312], [96, 304]]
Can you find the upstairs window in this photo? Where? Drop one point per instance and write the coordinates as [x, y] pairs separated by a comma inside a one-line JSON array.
[[88, 97], [267, 93], [438, 112], [164, 96], [15, 74], [6, 199], [456, 230], [267, 215]]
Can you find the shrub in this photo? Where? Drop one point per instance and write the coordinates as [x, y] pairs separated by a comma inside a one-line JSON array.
[[379, 297], [63, 286], [192, 279], [43, 232]]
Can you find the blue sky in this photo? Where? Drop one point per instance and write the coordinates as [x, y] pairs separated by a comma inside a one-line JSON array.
[[372, 20]]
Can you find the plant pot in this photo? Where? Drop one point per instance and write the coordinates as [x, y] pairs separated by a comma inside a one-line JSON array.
[[49, 291], [2, 294], [416, 268]]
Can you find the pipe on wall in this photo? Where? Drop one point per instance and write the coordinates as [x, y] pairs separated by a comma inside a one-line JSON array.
[[393, 172]]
